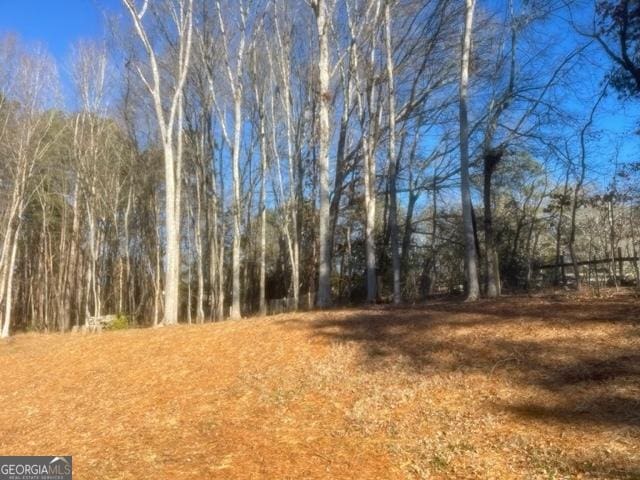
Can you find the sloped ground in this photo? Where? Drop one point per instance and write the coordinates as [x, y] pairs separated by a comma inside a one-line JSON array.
[[516, 388]]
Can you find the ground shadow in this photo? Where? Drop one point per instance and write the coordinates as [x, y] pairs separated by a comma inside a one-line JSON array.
[[546, 343]]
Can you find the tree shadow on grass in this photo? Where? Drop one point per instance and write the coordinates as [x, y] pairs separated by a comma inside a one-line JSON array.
[[584, 357], [542, 343]]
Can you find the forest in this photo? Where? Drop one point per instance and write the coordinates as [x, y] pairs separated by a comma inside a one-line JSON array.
[[320, 239], [217, 159]]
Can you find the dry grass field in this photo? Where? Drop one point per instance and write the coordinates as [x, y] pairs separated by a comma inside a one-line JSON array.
[[522, 387]]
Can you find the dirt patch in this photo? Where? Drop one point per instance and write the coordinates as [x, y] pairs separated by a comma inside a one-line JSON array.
[[543, 387]]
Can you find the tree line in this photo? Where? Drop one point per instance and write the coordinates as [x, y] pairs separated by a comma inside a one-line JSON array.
[[208, 156]]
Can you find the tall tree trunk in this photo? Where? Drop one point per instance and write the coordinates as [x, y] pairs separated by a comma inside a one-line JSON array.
[[235, 311], [491, 160], [8, 297], [263, 217], [199, 252], [172, 227], [393, 161], [470, 257], [324, 267], [183, 25], [157, 298], [612, 240], [433, 270], [370, 209]]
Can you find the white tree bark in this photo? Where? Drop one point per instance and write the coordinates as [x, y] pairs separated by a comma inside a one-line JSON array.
[[370, 116], [31, 140], [470, 257], [324, 102], [8, 298], [291, 224], [262, 303], [166, 119], [393, 159], [199, 251], [263, 218], [234, 77]]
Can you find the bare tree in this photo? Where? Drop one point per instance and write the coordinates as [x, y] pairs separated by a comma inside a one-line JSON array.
[[181, 16], [280, 59], [470, 257], [234, 63], [577, 190], [321, 11], [28, 135], [370, 116], [393, 160]]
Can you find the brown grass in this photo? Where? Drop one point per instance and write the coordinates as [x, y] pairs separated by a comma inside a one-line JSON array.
[[545, 387]]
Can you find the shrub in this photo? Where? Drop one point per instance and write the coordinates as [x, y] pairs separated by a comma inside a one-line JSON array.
[[120, 323]]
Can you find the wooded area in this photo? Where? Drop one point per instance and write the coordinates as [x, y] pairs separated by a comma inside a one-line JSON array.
[[209, 158]]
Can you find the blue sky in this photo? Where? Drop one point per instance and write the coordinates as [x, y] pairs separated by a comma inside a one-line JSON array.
[[55, 23]]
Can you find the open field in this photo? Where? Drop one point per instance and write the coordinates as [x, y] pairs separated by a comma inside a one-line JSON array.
[[516, 388]]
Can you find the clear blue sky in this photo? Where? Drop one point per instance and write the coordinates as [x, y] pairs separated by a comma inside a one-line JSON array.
[[54, 23]]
